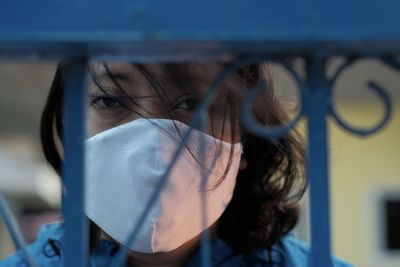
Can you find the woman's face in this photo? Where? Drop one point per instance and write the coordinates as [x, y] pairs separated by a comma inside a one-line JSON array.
[[127, 94]]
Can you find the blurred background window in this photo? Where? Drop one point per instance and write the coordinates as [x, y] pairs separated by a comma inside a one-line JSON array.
[[392, 225]]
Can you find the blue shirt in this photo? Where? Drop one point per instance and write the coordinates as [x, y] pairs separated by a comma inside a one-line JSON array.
[[288, 252]]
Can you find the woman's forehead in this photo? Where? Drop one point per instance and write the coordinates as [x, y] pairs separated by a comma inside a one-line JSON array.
[[111, 75], [175, 77]]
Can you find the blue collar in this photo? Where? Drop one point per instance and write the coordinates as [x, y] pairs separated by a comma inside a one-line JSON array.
[[221, 254]]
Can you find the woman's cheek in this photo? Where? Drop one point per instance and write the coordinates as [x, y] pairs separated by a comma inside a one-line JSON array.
[[98, 121]]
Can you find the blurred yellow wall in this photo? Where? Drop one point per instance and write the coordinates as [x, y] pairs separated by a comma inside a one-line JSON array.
[[361, 170]]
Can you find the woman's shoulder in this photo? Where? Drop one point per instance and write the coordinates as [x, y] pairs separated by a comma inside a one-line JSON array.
[[297, 253], [45, 250]]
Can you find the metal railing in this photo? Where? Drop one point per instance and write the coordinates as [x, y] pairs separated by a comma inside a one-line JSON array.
[[249, 31]]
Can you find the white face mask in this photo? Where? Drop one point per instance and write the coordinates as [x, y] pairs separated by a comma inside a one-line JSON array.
[[123, 166]]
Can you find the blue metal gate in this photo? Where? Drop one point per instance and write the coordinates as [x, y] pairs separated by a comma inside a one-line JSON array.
[[76, 31]]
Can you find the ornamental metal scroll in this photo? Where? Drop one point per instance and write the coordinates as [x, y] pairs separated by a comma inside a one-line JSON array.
[[379, 91], [274, 133]]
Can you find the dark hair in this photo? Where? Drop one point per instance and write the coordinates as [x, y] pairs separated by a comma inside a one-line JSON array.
[[264, 206]]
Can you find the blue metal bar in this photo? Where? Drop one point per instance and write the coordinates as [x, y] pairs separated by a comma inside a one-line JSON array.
[[75, 237], [142, 30], [316, 109]]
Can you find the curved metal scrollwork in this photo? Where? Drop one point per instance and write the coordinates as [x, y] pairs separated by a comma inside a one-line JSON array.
[[374, 87], [275, 132]]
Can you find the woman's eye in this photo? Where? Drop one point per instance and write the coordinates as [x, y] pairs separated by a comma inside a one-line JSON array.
[[188, 104], [106, 102]]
